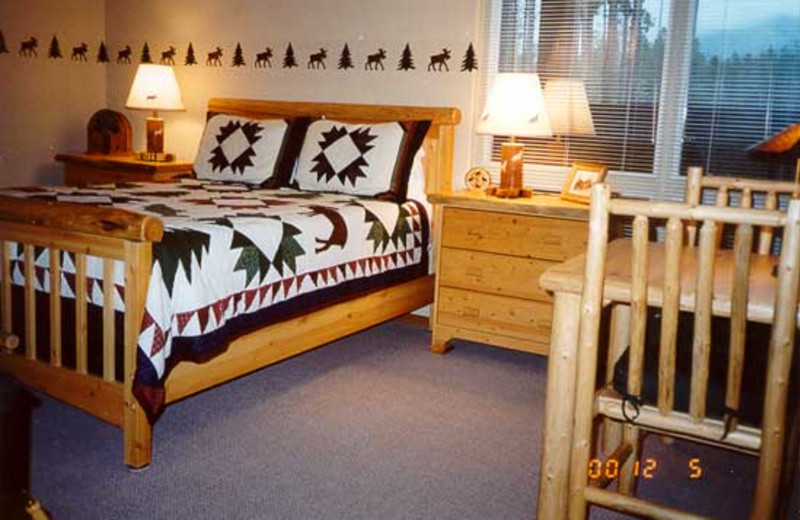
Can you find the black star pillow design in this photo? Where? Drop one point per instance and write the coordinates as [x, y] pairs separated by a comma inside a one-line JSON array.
[[351, 159], [240, 149]]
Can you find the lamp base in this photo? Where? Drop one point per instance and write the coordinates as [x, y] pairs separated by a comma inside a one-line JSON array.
[[155, 157], [509, 193], [511, 166]]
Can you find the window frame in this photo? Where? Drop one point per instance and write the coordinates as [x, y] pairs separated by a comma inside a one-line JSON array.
[[666, 181]]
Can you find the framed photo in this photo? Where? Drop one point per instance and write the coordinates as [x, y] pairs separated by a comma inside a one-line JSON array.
[[582, 176]]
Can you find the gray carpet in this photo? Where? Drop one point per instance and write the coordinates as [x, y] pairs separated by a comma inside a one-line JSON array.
[[373, 426]]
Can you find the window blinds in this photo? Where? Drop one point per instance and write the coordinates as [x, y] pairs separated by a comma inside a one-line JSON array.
[[742, 86], [615, 49]]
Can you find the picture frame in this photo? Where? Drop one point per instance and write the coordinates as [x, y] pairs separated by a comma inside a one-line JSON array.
[[582, 176]]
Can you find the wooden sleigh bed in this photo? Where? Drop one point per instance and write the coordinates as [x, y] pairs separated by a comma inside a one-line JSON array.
[[125, 236]]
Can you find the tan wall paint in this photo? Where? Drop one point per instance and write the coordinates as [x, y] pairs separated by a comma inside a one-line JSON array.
[[428, 25], [46, 103]]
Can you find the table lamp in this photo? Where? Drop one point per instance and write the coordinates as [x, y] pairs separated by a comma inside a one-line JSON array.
[[155, 88], [568, 107], [515, 108]]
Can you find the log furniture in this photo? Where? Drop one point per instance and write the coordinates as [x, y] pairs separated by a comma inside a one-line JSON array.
[[632, 275], [84, 168], [487, 252], [125, 236]]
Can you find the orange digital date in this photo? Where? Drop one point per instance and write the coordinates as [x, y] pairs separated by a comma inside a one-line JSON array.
[[646, 469]]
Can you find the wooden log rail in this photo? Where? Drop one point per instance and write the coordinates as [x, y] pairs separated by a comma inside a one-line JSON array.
[[771, 191], [115, 236]]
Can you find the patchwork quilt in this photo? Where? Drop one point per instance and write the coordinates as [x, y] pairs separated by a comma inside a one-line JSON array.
[[235, 257]]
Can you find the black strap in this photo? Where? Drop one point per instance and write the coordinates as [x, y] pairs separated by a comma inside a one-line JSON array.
[[635, 401], [729, 414]]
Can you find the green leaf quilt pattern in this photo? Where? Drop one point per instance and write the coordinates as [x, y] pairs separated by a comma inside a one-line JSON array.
[[234, 254]]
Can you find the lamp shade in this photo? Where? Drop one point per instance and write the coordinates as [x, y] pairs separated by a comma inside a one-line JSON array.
[[515, 107], [568, 107], [155, 88]]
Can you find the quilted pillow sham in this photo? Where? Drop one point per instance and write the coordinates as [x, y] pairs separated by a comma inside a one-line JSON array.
[[244, 150], [369, 160]]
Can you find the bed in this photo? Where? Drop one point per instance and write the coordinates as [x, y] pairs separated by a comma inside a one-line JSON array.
[[98, 357]]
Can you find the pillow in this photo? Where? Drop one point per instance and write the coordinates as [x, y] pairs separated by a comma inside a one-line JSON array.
[[243, 150], [371, 160]]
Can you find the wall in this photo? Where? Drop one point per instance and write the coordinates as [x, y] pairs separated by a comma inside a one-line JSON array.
[[365, 25], [47, 102]]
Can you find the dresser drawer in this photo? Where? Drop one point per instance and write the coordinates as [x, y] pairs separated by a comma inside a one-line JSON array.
[[512, 234], [502, 315], [492, 273]]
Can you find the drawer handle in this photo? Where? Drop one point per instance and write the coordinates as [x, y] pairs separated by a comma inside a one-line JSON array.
[[553, 240], [471, 312]]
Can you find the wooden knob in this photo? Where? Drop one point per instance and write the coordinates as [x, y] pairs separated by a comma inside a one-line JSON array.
[[9, 340]]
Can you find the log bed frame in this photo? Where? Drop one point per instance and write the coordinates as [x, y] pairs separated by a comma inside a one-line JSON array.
[[126, 236]]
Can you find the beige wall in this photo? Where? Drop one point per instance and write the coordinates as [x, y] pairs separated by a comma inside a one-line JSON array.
[[365, 25], [46, 103]]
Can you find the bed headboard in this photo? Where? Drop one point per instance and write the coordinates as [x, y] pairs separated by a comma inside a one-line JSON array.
[[438, 144]]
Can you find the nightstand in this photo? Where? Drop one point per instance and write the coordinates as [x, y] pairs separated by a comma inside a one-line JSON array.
[[98, 169], [490, 253]]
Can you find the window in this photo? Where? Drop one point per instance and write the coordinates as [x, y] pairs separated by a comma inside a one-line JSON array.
[[670, 83]]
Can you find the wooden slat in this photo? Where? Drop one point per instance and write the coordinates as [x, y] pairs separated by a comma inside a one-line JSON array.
[[779, 366], [108, 319], [5, 287], [591, 307], [137, 431], [97, 245], [81, 325], [669, 316], [94, 220], [767, 232], [639, 263], [746, 439], [722, 197], [701, 344], [558, 425], [727, 215], [89, 393], [267, 109], [619, 340], [55, 307], [280, 341], [30, 303], [746, 200], [639, 260], [694, 192], [637, 506], [742, 246]]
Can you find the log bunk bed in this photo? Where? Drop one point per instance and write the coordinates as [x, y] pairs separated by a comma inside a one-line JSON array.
[[121, 236]]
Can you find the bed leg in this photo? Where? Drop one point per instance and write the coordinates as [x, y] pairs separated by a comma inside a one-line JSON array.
[[137, 435]]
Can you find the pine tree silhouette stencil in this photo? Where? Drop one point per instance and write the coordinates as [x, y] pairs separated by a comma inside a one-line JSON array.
[[3, 48], [345, 59], [102, 53], [289, 60], [406, 59], [470, 61], [190, 59], [238, 56], [146, 54], [55, 49]]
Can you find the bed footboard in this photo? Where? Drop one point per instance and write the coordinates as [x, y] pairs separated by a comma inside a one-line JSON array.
[[121, 240]]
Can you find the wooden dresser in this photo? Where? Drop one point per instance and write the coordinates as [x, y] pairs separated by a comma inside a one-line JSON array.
[[489, 255]]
